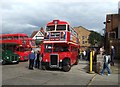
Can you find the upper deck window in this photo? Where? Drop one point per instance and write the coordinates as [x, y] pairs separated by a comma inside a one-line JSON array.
[[50, 28], [9, 38], [21, 37], [4, 38], [25, 37], [61, 27], [16, 37]]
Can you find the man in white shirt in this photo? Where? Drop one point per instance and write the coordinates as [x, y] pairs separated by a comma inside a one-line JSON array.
[[106, 64]]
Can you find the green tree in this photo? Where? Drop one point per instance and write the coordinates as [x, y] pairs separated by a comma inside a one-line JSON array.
[[95, 38], [38, 42]]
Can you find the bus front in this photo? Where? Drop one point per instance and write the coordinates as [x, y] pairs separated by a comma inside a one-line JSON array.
[[57, 51]]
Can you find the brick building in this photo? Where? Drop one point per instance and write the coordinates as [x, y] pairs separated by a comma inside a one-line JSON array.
[[112, 23], [83, 35], [112, 35]]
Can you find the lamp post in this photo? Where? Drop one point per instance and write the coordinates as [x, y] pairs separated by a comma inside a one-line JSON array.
[[104, 35]]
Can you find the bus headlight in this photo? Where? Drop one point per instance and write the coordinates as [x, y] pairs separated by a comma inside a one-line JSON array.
[[7, 57], [60, 60], [46, 60]]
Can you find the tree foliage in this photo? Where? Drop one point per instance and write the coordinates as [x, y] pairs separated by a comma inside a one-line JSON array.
[[95, 38], [38, 42]]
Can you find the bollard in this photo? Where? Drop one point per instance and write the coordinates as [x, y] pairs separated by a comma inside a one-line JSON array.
[[91, 55]]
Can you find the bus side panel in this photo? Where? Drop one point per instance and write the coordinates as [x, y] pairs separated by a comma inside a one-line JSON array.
[[68, 36]]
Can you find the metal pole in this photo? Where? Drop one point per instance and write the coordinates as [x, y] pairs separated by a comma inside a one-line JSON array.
[[90, 61], [91, 55]]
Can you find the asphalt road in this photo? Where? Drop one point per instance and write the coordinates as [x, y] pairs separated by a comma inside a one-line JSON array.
[[19, 74]]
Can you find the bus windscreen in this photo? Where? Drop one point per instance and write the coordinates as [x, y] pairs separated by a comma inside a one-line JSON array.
[[50, 28], [61, 27]]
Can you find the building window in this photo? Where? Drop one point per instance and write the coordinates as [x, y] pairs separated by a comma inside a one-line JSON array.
[[112, 34], [86, 42], [83, 37], [83, 42]]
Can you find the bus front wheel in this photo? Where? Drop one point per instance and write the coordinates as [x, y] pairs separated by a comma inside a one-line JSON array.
[[43, 67], [3, 62], [66, 65]]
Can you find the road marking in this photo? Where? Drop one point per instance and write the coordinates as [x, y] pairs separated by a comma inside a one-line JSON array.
[[91, 80]]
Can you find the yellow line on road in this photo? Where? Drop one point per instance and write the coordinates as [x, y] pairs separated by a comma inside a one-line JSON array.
[[91, 80]]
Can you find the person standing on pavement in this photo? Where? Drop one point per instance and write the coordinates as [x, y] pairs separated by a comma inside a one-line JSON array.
[[38, 60], [112, 55], [88, 55], [35, 59], [80, 55], [101, 50], [84, 54], [31, 60], [106, 64]]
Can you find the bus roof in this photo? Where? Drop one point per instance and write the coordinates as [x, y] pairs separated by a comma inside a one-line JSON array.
[[57, 22], [29, 38], [8, 42], [17, 34]]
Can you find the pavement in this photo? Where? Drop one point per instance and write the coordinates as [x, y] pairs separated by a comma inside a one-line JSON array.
[[18, 74], [113, 79]]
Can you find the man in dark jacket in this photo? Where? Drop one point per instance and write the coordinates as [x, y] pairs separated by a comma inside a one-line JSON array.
[[38, 60], [31, 60], [112, 55]]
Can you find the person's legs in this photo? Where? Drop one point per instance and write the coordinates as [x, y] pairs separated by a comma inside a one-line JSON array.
[[38, 64], [29, 64], [112, 60], [32, 63], [108, 69], [104, 67]]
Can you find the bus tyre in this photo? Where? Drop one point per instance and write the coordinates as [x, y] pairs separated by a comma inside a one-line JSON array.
[[77, 61], [66, 68], [43, 67], [3, 62], [66, 65], [17, 62]]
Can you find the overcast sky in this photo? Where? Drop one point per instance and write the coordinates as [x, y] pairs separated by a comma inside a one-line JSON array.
[[25, 16]]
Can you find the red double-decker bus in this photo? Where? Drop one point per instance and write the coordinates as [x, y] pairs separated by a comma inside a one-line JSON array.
[[60, 46], [23, 44]]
